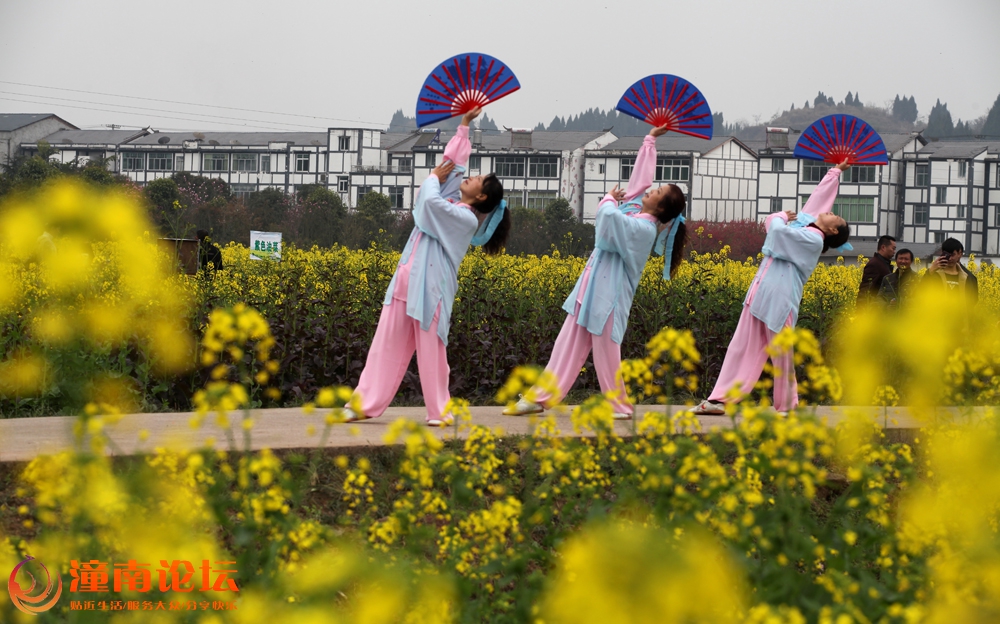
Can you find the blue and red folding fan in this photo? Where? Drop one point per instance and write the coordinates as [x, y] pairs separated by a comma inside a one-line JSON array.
[[836, 137], [462, 83], [663, 99]]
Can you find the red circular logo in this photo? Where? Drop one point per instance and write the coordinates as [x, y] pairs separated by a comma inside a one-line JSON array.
[[34, 600]]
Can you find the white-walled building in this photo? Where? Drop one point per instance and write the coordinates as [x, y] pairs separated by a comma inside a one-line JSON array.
[[869, 197], [718, 176], [82, 146], [927, 192], [18, 128], [953, 191], [535, 167]]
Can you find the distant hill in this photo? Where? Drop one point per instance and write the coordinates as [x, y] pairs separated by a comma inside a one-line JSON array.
[[800, 118], [402, 123], [900, 116]]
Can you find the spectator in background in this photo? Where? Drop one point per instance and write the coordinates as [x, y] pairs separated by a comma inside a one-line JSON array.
[[896, 286], [876, 269], [947, 273], [209, 254]]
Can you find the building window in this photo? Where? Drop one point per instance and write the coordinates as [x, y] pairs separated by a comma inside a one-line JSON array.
[[179, 162], [475, 163], [600, 169], [396, 197], [775, 204], [430, 159], [673, 169], [962, 168], [215, 162], [362, 191], [859, 174], [923, 176], [344, 143], [941, 195], [509, 167], [777, 164], [133, 161], [404, 165], [960, 212], [302, 162], [538, 200], [855, 209], [242, 191], [543, 167], [244, 162], [158, 161], [265, 163], [515, 199], [813, 170], [938, 237], [343, 183], [627, 165], [920, 213]]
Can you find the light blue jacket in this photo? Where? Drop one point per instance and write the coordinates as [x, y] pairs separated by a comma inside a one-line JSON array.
[[791, 253], [621, 249], [447, 231], [790, 256]]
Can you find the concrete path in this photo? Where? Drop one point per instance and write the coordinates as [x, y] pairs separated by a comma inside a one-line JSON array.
[[22, 439]]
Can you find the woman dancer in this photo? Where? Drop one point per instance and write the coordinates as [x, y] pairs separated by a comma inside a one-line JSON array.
[[791, 253], [598, 308], [416, 313]]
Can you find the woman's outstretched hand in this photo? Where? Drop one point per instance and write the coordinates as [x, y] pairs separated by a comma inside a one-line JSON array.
[[659, 131], [617, 193], [472, 114], [844, 166]]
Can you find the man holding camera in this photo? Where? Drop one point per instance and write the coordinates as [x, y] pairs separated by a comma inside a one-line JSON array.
[[947, 273]]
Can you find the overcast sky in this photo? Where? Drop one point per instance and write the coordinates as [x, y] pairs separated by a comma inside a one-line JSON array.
[[354, 63]]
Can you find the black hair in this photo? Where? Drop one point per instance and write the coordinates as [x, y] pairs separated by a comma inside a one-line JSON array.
[[838, 239], [884, 240], [671, 206], [900, 252], [493, 189], [201, 234], [951, 245]]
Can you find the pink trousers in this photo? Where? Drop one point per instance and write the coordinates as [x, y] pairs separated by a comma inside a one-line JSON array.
[[570, 354], [396, 337], [745, 361]]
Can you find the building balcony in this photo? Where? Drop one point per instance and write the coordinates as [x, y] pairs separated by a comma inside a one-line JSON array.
[[394, 169]]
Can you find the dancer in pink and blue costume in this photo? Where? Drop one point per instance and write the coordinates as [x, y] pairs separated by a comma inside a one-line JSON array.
[[597, 310], [450, 213], [791, 253]]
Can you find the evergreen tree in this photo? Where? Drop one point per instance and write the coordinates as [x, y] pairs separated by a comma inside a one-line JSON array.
[[485, 123], [905, 109], [822, 98], [992, 126], [402, 123], [849, 100], [718, 124], [939, 123]]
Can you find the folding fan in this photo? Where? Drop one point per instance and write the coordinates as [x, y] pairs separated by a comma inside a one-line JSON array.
[[836, 137], [662, 99], [462, 83]]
